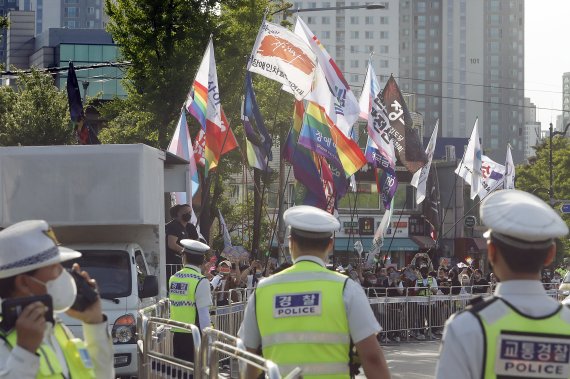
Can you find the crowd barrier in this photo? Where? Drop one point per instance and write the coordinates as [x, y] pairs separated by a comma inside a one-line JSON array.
[[216, 349], [408, 315]]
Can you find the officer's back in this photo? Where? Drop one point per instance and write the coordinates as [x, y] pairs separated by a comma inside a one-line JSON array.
[[520, 331], [306, 316]]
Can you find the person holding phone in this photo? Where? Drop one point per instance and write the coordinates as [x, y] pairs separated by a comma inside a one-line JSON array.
[[34, 345]]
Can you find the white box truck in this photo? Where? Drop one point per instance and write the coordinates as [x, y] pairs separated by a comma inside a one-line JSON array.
[[107, 201]]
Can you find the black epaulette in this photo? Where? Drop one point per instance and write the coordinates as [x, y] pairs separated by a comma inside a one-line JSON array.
[[479, 303]]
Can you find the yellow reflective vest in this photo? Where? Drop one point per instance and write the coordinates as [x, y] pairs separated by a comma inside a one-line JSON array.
[[182, 294], [74, 350], [423, 291], [517, 345], [302, 321]]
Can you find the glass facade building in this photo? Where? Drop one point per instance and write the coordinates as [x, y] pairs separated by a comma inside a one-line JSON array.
[[104, 82]]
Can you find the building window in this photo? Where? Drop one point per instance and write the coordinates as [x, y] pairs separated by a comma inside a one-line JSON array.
[[354, 63], [90, 24], [354, 34], [326, 20], [421, 6], [384, 35], [90, 10], [326, 34], [383, 63], [71, 24], [354, 78], [71, 11], [353, 49], [354, 20], [384, 49], [310, 20], [369, 35], [369, 20], [71, 1], [383, 20]]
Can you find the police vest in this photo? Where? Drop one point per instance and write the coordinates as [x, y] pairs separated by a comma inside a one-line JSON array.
[[420, 284], [302, 321], [519, 346], [74, 350], [182, 294]]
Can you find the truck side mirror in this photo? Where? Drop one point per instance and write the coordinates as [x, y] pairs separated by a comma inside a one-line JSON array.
[[149, 287]]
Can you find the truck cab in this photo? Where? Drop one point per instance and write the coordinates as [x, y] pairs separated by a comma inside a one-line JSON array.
[[125, 286]]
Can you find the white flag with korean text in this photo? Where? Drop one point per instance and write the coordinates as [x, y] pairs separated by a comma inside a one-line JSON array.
[[470, 166], [420, 178]]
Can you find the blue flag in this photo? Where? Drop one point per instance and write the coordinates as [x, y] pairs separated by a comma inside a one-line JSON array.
[[259, 141]]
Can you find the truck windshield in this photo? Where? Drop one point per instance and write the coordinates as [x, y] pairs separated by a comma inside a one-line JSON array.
[[110, 268]]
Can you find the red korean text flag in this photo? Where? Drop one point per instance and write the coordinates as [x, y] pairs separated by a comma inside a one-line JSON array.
[[283, 56]]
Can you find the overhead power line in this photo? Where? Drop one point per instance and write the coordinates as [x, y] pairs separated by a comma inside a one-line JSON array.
[[54, 70]]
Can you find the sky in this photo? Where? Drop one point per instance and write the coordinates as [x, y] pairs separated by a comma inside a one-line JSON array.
[[547, 55]]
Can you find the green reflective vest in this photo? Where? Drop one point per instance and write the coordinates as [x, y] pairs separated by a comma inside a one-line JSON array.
[[521, 346], [182, 294], [424, 291], [302, 321], [74, 350]]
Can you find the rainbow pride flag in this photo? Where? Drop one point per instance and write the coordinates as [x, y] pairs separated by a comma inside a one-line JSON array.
[[310, 191], [204, 104], [322, 136]]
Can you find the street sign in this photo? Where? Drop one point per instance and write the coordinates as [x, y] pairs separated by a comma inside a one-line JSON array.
[[470, 221], [565, 208]]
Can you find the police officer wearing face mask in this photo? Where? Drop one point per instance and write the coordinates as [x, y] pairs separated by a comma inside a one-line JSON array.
[[30, 265], [520, 331]]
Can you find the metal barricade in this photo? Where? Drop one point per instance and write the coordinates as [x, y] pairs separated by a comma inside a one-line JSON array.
[[156, 359], [228, 318], [172, 269], [216, 345]]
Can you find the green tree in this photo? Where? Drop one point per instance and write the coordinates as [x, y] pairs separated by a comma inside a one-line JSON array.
[[36, 114], [164, 41], [535, 177]]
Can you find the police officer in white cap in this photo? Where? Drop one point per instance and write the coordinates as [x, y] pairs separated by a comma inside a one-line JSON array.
[[520, 331], [35, 346], [307, 316], [190, 297]]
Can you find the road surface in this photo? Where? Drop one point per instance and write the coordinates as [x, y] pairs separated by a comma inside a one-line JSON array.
[[411, 360]]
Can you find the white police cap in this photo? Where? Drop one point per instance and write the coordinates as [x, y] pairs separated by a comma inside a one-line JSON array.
[[521, 220], [194, 247], [310, 222]]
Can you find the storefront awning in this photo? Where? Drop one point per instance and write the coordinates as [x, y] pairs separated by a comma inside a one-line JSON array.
[[396, 244], [424, 242]]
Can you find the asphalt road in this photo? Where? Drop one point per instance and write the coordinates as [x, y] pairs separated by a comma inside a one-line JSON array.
[[411, 360]]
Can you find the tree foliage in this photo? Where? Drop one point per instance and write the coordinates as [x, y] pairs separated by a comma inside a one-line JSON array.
[[165, 41], [36, 114], [535, 177]]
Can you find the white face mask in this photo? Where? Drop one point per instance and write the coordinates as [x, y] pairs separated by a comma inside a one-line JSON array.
[[62, 291]]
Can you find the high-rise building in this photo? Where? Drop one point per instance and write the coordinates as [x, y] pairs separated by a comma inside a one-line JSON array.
[[5, 7], [465, 60], [532, 129], [565, 99], [70, 14], [351, 35]]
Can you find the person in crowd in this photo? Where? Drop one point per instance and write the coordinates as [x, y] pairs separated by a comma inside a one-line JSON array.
[[382, 277], [190, 297], [177, 229], [36, 345], [395, 310], [443, 283], [480, 285], [426, 285], [287, 308], [520, 330], [454, 282], [226, 280], [465, 281]]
